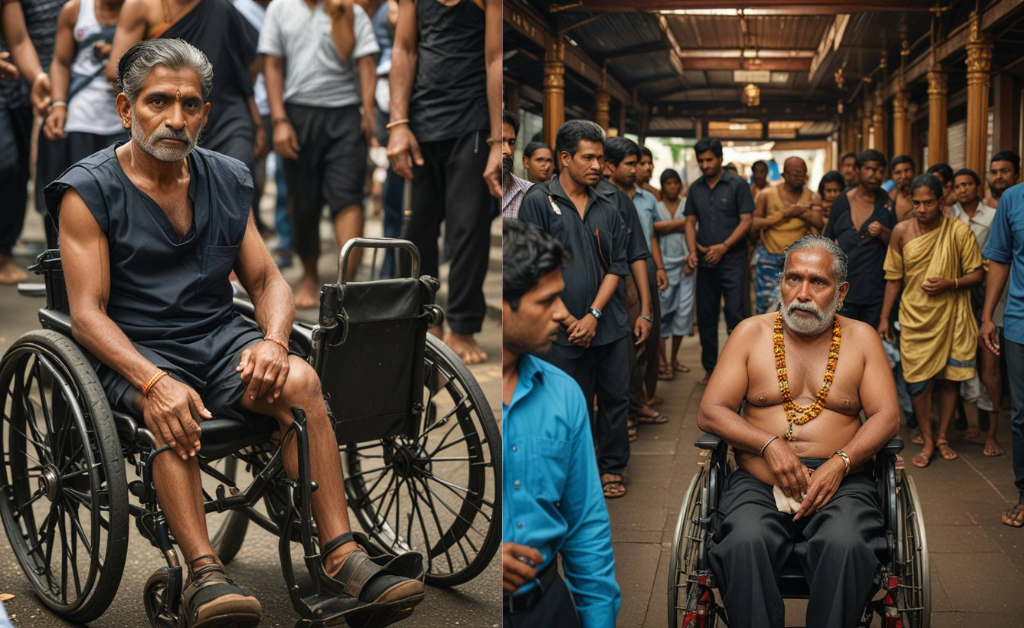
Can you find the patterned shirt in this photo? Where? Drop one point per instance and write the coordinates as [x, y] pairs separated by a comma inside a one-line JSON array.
[[513, 189], [41, 23]]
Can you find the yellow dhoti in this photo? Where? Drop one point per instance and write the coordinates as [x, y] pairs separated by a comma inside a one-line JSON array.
[[938, 334]]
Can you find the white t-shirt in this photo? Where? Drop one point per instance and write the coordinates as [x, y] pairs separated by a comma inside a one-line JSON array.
[[314, 74]]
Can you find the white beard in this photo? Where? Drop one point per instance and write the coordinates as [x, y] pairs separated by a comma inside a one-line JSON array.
[[163, 153], [804, 326]]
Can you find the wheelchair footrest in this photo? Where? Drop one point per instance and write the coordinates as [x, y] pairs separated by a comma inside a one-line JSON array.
[[327, 610]]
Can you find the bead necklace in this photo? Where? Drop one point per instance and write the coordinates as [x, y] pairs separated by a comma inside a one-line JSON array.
[[795, 413]]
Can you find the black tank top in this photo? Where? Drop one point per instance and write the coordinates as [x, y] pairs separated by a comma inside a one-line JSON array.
[[449, 96], [165, 289]]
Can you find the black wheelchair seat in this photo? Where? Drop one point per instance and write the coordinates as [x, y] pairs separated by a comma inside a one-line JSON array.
[[220, 436]]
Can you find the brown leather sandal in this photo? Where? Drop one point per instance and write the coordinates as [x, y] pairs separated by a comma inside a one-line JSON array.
[[210, 599]]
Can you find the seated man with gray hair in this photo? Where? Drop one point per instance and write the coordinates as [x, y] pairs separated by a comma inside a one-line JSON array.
[[801, 376], [150, 231]]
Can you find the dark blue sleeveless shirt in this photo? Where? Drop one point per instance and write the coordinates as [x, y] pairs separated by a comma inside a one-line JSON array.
[[165, 291]]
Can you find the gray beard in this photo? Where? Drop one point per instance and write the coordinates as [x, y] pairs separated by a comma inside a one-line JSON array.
[[802, 326], [163, 153]]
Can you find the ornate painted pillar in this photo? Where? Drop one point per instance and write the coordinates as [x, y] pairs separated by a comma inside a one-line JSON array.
[[554, 90], [937, 139], [602, 108], [979, 64], [900, 119], [879, 122]]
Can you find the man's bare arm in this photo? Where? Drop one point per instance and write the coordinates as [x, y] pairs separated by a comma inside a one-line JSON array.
[[878, 399], [665, 227], [172, 411], [343, 34], [691, 234], [493, 61], [404, 56], [725, 392], [132, 23], [759, 220], [814, 215], [270, 293]]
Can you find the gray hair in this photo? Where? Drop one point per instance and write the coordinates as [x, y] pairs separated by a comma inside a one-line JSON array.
[[819, 243], [141, 59]]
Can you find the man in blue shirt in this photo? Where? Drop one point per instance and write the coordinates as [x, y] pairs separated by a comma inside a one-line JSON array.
[[553, 502], [1005, 252]]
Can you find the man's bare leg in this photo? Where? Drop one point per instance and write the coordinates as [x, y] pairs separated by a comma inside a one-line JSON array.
[[991, 378], [465, 346], [923, 409], [949, 392], [676, 342], [10, 273], [302, 389], [307, 294], [348, 224]]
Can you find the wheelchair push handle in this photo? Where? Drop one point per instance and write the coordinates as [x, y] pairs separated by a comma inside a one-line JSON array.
[[376, 243]]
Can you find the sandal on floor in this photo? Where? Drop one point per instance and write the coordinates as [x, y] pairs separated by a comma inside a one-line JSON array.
[[681, 368], [922, 460], [210, 598], [945, 450], [918, 439], [1014, 517], [377, 588], [652, 419], [665, 374], [613, 483], [633, 430]]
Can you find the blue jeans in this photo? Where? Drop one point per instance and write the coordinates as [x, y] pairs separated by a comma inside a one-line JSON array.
[[1015, 369], [391, 197]]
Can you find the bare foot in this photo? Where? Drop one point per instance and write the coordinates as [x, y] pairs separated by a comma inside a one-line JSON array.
[[924, 457], [972, 433], [918, 439], [10, 273], [1014, 517], [465, 347], [307, 294], [655, 400], [992, 448], [945, 450]]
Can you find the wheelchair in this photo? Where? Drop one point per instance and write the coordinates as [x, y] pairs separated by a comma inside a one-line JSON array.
[[418, 444], [903, 598]]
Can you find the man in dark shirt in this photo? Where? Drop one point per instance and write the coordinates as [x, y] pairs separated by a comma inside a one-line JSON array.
[[848, 168], [594, 348], [445, 98], [721, 204]]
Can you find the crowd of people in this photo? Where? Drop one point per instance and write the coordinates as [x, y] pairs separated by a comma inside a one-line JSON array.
[[315, 84], [936, 269]]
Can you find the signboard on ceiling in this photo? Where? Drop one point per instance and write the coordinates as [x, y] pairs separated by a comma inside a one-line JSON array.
[[759, 76]]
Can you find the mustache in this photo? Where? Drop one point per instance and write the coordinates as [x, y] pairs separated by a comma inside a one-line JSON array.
[[806, 307], [171, 134]]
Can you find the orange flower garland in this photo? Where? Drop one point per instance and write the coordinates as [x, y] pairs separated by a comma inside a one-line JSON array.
[[802, 414]]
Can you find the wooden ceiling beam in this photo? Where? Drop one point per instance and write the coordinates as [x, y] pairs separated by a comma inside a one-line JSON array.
[[727, 63], [750, 7]]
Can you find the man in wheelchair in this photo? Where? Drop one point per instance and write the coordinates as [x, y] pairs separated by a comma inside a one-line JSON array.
[[801, 486], [149, 232]]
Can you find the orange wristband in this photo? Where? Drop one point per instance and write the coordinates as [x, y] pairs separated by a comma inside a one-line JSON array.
[[152, 382], [281, 344]]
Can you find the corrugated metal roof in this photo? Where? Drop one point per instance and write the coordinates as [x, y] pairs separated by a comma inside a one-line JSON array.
[[773, 32], [615, 31]]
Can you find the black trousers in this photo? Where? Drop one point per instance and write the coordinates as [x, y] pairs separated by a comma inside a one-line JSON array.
[[870, 314], [603, 371], [449, 187], [724, 280], [555, 610], [14, 179], [839, 548], [643, 357]]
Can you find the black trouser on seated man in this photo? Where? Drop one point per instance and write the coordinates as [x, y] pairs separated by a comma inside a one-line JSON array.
[[839, 548], [723, 280], [548, 604], [603, 371], [449, 187]]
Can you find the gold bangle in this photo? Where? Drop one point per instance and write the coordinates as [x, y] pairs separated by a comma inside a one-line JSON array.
[[846, 460], [391, 125], [152, 382], [277, 342], [956, 284]]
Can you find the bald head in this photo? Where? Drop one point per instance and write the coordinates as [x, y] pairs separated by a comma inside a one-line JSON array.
[[794, 173]]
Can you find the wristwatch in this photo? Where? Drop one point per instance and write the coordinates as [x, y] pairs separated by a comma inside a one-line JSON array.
[[596, 313]]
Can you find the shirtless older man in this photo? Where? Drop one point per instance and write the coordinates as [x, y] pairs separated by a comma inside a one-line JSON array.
[[813, 448]]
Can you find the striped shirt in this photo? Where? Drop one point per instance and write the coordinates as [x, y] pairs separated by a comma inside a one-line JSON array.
[[513, 189], [41, 23]]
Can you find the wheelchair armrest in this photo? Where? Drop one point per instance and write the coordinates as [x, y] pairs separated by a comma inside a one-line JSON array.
[[708, 441], [893, 447]]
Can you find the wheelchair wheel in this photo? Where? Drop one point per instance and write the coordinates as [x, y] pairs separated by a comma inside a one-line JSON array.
[[63, 497], [438, 493], [684, 594], [915, 600]]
